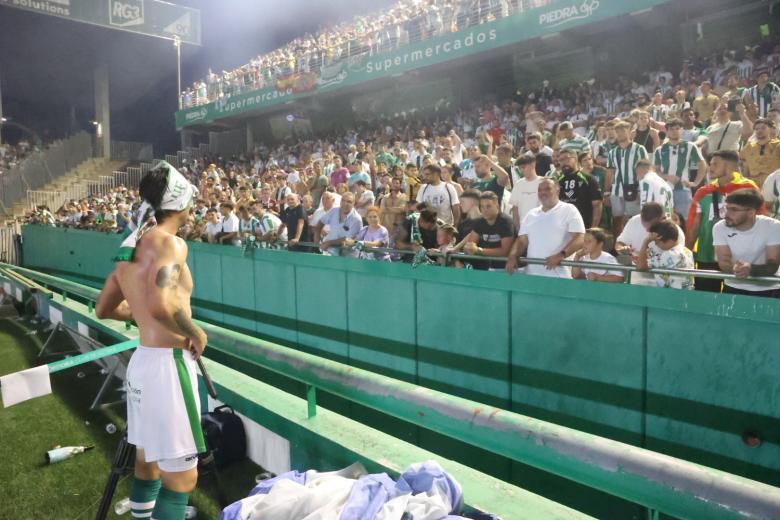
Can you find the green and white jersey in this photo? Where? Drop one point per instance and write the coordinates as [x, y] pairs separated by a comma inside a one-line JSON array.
[[248, 226], [653, 188], [270, 222], [578, 144], [765, 97], [681, 160], [623, 162], [658, 112], [771, 192]]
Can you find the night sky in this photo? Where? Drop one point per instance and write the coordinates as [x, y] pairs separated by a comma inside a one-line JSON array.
[[47, 63]]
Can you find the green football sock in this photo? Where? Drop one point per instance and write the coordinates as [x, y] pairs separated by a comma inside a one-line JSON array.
[[170, 505], [143, 494]]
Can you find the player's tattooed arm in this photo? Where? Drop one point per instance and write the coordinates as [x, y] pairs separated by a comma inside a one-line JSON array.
[[168, 276], [185, 323]]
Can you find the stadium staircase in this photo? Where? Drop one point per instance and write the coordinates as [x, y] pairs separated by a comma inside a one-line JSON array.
[[77, 182], [95, 176]]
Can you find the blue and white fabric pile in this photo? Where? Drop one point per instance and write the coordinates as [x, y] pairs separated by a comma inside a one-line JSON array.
[[423, 492]]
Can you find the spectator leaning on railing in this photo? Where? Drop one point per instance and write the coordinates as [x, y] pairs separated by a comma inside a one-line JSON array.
[[553, 231], [748, 244]]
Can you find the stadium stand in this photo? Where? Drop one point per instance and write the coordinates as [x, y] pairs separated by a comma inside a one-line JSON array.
[[293, 191]]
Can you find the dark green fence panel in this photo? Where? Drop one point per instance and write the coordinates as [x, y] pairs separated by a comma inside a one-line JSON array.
[[579, 363], [709, 381], [274, 294]]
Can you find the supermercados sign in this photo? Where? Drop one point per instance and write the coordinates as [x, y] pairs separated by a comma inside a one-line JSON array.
[[551, 17]]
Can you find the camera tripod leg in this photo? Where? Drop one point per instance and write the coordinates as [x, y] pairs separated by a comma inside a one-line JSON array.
[[124, 456]]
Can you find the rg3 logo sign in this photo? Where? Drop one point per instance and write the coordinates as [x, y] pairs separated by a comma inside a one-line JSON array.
[[126, 13]]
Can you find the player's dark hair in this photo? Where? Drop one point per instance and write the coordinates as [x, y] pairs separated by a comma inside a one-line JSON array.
[[152, 188]]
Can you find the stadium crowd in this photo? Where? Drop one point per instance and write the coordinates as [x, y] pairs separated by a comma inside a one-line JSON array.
[[667, 165], [406, 22], [12, 155]]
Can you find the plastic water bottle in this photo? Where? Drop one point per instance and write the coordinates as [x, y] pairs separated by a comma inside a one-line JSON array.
[[122, 507], [110, 428]]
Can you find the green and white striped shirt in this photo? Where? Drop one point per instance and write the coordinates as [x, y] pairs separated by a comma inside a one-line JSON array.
[[623, 161], [577, 144], [681, 160], [249, 226], [771, 192], [764, 98]]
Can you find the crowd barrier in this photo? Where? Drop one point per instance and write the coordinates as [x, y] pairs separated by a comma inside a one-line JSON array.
[[43, 167], [131, 151], [9, 247], [659, 368], [103, 185], [660, 483]]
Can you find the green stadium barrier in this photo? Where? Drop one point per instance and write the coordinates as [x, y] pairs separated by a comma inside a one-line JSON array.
[[656, 481], [663, 369]]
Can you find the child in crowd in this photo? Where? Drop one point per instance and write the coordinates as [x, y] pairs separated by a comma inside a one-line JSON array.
[[593, 251], [445, 241], [673, 256]]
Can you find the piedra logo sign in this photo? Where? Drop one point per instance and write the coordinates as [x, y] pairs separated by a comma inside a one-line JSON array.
[[196, 115], [569, 13], [126, 13]]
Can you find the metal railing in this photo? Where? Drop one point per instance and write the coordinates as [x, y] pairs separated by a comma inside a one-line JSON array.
[[183, 157], [173, 160], [50, 199], [626, 270], [658, 482], [9, 247], [43, 167], [131, 151], [462, 15]]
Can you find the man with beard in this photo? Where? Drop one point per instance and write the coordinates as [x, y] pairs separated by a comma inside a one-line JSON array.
[[490, 177], [748, 244], [621, 177], [542, 154], [579, 188], [553, 231], [709, 207]]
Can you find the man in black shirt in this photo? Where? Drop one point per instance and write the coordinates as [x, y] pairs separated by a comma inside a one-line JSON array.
[[294, 219], [579, 188], [469, 207], [492, 235]]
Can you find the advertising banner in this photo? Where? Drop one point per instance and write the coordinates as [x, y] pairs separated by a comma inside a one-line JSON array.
[[150, 17]]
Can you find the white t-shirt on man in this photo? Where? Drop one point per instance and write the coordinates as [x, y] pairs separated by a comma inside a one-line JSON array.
[[525, 195], [441, 197], [212, 228], [549, 232], [749, 246], [230, 224]]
